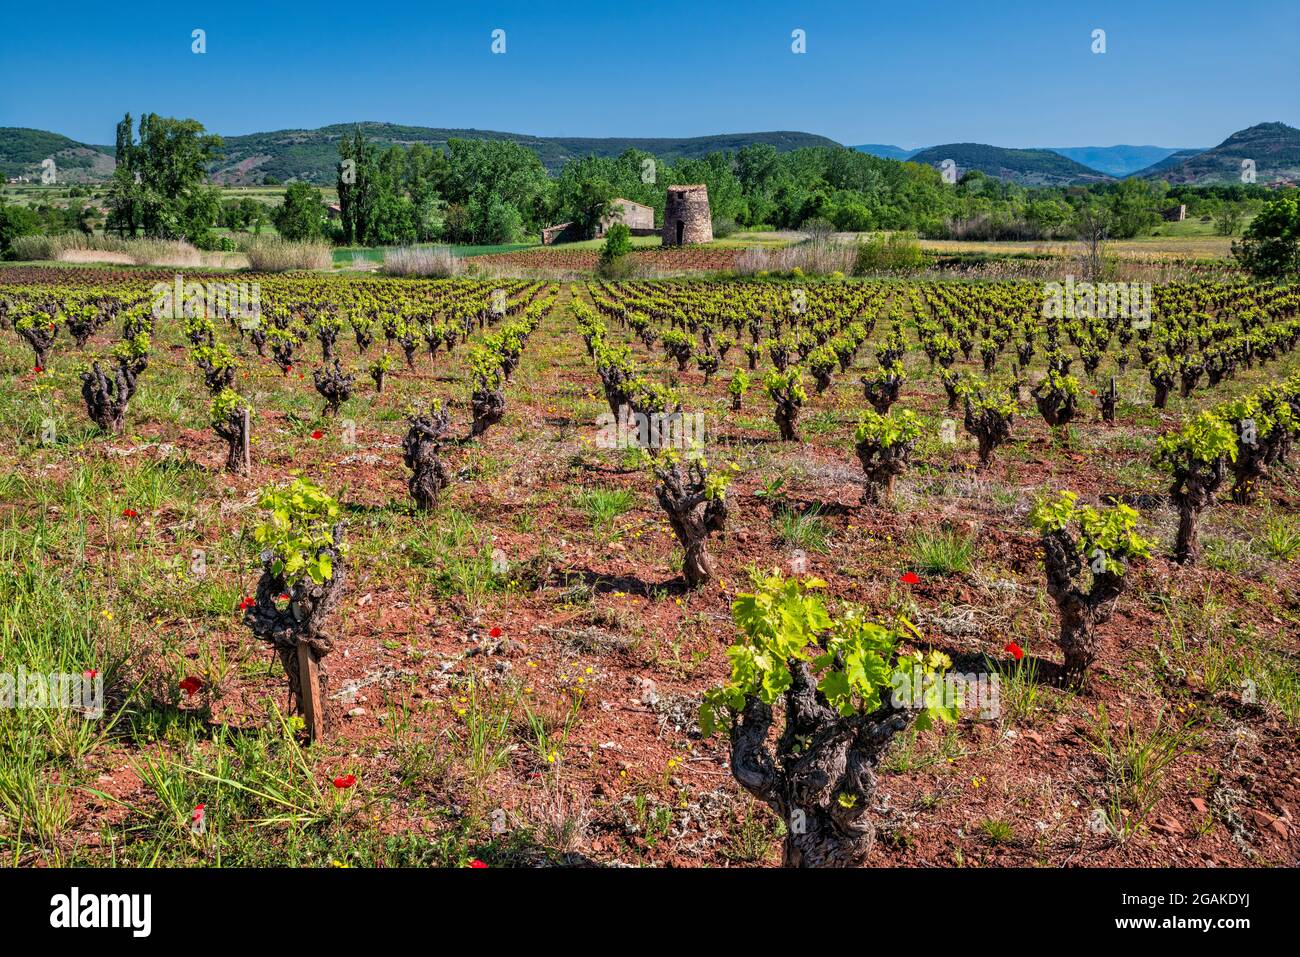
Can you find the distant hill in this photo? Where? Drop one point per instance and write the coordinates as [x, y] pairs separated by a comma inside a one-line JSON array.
[[1169, 162], [1027, 167], [22, 151], [1118, 161], [1121, 161], [1275, 148], [886, 152], [313, 154]]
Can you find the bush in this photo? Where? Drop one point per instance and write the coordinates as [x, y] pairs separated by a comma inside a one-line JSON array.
[[1270, 248], [436, 261], [27, 248], [896, 254], [618, 243], [723, 226], [270, 255], [302, 215]]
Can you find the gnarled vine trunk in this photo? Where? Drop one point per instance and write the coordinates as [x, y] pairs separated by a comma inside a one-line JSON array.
[[488, 407], [693, 516], [420, 452], [107, 396], [334, 385], [1192, 493], [232, 431], [1081, 612], [300, 620], [882, 466], [822, 777]]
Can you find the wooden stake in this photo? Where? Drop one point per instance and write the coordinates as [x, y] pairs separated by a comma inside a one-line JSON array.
[[248, 461], [313, 701]]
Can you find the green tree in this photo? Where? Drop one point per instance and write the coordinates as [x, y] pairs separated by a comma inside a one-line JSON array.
[[302, 216], [1270, 248], [160, 184], [16, 221], [502, 186], [618, 243]]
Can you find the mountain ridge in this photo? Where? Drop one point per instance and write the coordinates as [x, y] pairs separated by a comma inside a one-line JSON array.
[[312, 154], [1119, 161], [1273, 148], [1036, 167]]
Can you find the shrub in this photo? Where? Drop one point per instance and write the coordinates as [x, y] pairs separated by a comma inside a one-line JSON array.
[[618, 243], [737, 388], [421, 449], [226, 416], [270, 255], [1270, 248], [895, 254], [334, 385], [1057, 398], [436, 262], [1264, 426], [107, 394], [695, 501], [787, 391], [989, 419], [379, 369], [881, 386]]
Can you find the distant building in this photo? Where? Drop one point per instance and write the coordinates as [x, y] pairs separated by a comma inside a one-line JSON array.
[[636, 217], [561, 232], [687, 218], [334, 211], [1176, 214]]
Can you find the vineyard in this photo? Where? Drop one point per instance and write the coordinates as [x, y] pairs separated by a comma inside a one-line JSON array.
[[516, 571]]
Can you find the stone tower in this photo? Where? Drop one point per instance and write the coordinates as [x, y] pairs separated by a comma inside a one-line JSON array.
[[687, 218]]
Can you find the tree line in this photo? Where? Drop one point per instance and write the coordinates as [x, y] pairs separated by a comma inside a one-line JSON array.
[[497, 191]]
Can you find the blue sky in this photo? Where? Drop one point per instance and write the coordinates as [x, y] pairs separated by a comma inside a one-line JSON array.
[[1010, 73]]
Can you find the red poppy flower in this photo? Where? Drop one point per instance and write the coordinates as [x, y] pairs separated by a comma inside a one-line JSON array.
[[38, 369], [475, 862], [1092, 392], [248, 602], [198, 811], [318, 434], [288, 369], [495, 633], [911, 578], [282, 597], [1015, 649], [130, 513], [191, 685], [91, 674], [345, 781]]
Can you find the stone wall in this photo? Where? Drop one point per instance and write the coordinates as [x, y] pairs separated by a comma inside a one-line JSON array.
[[687, 206]]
